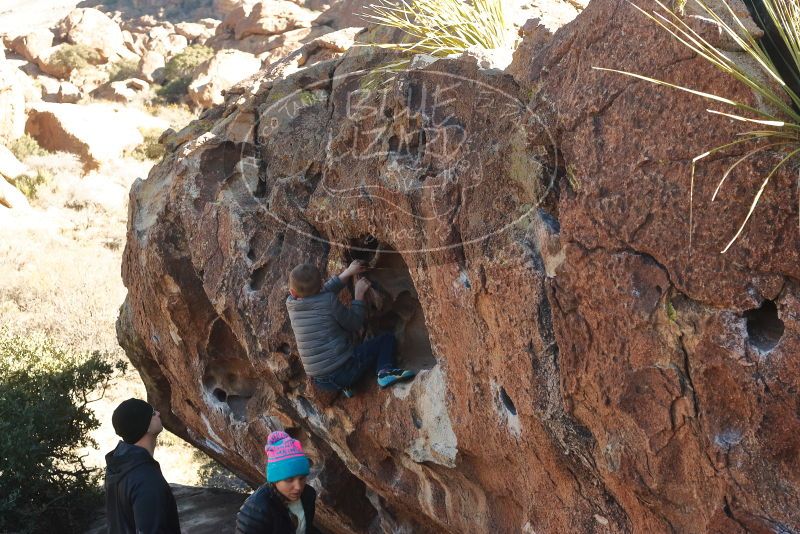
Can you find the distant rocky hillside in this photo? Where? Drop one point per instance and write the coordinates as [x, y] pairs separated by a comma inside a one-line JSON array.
[[91, 83]]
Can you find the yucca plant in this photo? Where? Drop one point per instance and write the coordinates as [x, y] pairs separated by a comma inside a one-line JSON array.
[[776, 127], [444, 27]]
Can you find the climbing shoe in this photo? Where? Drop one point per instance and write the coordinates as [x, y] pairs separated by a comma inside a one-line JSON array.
[[390, 376]]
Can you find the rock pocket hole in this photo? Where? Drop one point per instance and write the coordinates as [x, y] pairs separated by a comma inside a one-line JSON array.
[[507, 402], [258, 278], [416, 419], [228, 378], [764, 327], [222, 342], [231, 383], [393, 303]]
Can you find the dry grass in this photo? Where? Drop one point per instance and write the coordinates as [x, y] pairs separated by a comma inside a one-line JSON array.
[[61, 277], [444, 27]]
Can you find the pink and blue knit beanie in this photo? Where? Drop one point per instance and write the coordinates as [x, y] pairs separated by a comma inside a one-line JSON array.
[[285, 457]]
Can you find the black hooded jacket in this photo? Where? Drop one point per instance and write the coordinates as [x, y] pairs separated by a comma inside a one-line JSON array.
[[265, 513], [138, 499]]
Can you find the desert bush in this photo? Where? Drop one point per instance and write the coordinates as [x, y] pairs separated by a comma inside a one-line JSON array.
[[177, 115], [29, 184], [45, 391], [150, 148], [25, 147], [123, 69], [75, 57], [183, 64], [178, 71], [212, 474], [173, 91], [444, 27]]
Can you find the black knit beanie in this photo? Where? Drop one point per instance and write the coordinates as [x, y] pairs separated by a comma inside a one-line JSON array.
[[131, 419]]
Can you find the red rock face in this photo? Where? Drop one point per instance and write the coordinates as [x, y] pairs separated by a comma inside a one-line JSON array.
[[580, 368]]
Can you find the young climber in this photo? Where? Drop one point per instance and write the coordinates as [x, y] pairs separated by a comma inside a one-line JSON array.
[[323, 327], [285, 504]]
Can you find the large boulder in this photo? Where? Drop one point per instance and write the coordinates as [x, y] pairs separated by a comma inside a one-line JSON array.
[[222, 71], [57, 91], [93, 28], [273, 17], [33, 44], [581, 368], [97, 133], [165, 41], [123, 91], [12, 101], [151, 66], [194, 32], [225, 7]]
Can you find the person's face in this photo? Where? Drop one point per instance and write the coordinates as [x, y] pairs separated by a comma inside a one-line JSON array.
[[291, 488], [155, 423]]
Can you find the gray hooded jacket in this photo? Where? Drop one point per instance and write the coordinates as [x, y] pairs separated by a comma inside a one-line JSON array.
[[322, 327]]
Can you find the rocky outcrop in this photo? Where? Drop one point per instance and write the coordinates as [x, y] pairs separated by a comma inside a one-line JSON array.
[[581, 367], [151, 66], [269, 30], [123, 91], [97, 133], [93, 28], [12, 101], [32, 45], [273, 17], [219, 73]]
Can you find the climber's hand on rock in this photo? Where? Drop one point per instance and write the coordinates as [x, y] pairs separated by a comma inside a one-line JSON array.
[[355, 267], [362, 285]]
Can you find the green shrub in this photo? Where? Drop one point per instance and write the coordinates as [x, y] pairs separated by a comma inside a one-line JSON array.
[[444, 27], [44, 418], [182, 65], [150, 148], [214, 475], [172, 92], [76, 57], [178, 71], [124, 69], [29, 184], [25, 146]]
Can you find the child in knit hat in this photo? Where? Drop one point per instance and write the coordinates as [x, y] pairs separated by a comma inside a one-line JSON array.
[[285, 504]]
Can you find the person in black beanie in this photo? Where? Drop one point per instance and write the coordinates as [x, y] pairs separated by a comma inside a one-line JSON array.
[[138, 499]]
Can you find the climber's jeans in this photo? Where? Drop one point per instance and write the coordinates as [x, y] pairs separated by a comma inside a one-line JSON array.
[[376, 353]]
